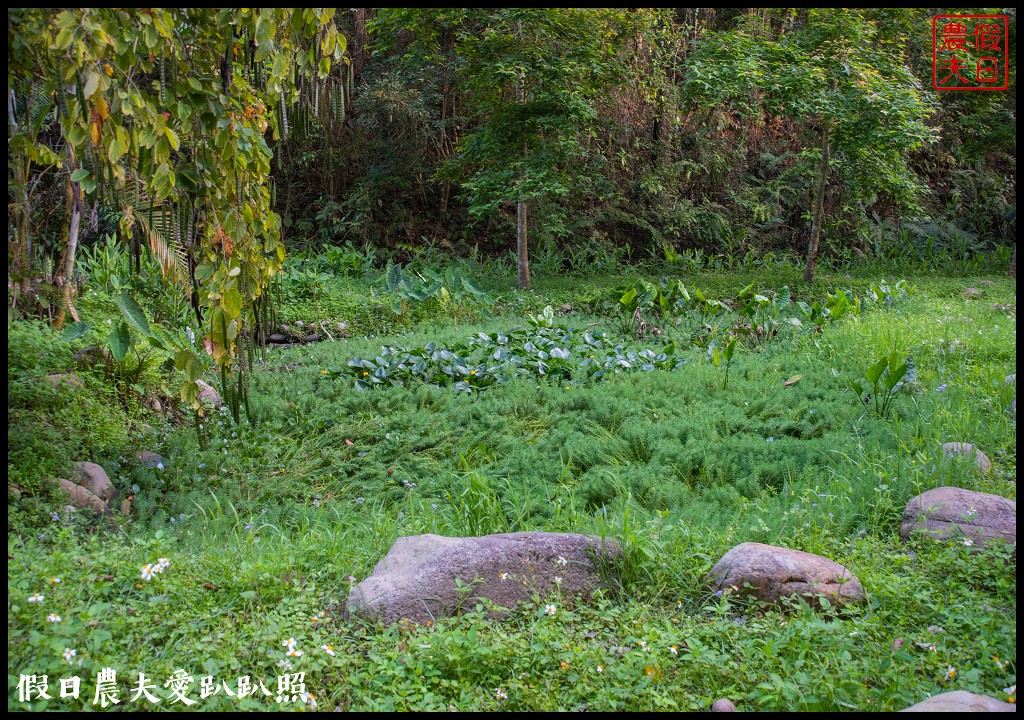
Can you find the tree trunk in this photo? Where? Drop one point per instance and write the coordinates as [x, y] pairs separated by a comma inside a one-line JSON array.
[[1013, 264], [22, 262], [67, 277], [522, 251], [819, 208]]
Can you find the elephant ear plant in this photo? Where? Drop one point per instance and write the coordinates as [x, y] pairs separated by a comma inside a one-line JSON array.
[[886, 376]]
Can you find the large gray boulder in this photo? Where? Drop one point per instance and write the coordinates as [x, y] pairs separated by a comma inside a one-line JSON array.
[[954, 449], [95, 479], [415, 581], [961, 701], [949, 512], [774, 573]]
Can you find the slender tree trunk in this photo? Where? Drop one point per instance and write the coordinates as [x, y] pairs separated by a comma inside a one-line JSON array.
[[23, 261], [819, 208], [67, 276], [1013, 264], [522, 249]]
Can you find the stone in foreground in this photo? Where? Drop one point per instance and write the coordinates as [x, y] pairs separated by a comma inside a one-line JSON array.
[[95, 479], [954, 449], [416, 579], [774, 573], [949, 512], [961, 701]]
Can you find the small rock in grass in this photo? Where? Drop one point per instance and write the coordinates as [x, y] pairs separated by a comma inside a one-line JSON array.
[[95, 478], [155, 405], [207, 394], [91, 355], [774, 573], [950, 512], [986, 282], [150, 459], [277, 338], [13, 492], [954, 449], [284, 328], [723, 705], [1010, 379], [971, 292], [300, 324], [58, 379], [126, 507], [311, 339], [81, 497], [341, 326], [961, 701]]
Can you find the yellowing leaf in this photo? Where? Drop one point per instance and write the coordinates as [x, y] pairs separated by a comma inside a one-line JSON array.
[[92, 84], [792, 381]]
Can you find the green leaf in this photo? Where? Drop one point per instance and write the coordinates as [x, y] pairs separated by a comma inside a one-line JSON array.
[[875, 371], [79, 175], [74, 331], [232, 302], [133, 313], [120, 341], [172, 137], [393, 276]]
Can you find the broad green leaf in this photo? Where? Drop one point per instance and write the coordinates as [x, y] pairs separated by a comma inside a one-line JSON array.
[[232, 302], [875, 371], [74, 331], [133, 313], [120, 341], [172, 138]]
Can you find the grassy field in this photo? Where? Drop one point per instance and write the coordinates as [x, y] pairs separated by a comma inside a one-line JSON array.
[[265, 525]]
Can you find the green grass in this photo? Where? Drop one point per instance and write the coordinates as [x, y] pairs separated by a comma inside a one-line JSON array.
[[264, 527]]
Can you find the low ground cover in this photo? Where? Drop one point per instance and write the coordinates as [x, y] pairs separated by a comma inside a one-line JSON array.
[[265, 525]]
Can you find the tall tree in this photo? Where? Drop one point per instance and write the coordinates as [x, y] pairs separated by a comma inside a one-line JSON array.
[[858, 104]]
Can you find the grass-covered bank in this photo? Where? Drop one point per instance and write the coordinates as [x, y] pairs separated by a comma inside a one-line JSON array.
[[264, 526]]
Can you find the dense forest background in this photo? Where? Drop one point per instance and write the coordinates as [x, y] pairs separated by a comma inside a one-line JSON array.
[[638, 160], [597, 137]]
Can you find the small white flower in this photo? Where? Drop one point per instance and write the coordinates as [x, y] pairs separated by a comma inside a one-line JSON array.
[[328, 649], [162, 563], [284, 664], [53, 617], [558, 580], [503, 577], [54, 580], [968, 542], [36, 598], [69, 654], [148, 571], [674, 650], [561, 561], [500, 694], [600, 668], [549, 609], [950, 672], [292, 652], [290, 643]]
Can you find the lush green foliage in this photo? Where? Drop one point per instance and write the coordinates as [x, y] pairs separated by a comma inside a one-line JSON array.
[[264, 524]]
